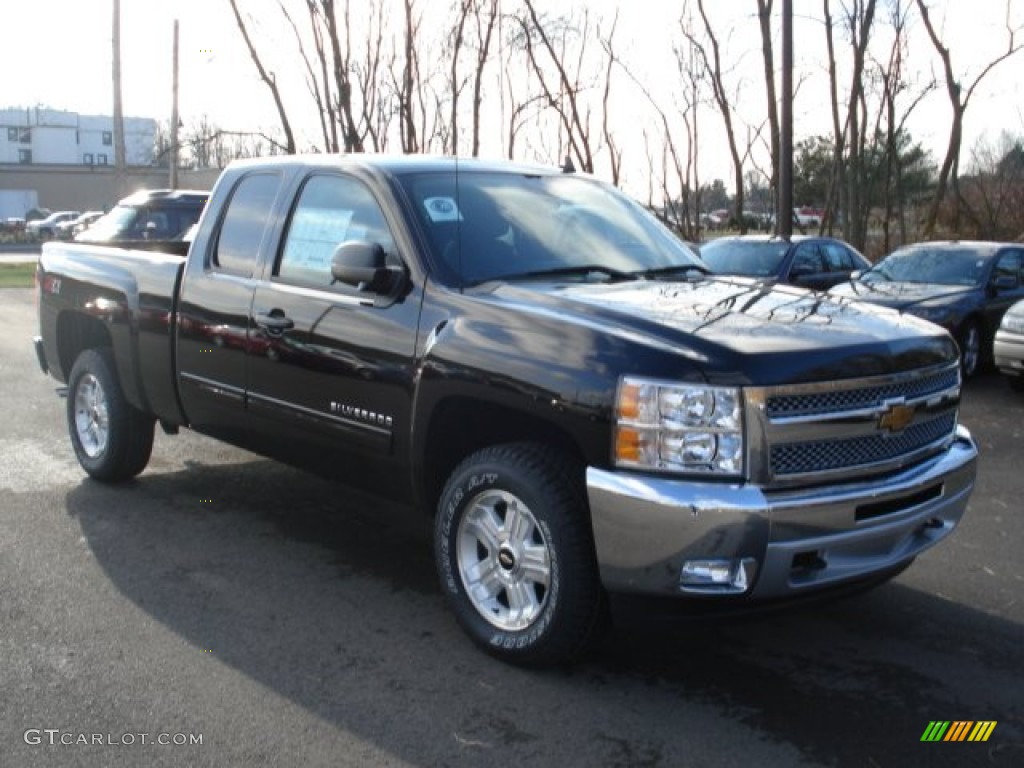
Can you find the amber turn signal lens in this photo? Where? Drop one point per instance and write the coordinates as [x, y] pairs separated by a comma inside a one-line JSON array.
[[627, 445]]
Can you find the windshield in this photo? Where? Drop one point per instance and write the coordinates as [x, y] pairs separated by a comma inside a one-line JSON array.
[[744, 257], [484, 225], [944, 266]]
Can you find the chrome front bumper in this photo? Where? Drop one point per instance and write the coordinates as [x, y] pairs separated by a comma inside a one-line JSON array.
[[1008, 351], [647, 527]]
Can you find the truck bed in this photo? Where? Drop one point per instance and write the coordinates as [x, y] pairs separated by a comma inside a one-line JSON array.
[[128, 296]]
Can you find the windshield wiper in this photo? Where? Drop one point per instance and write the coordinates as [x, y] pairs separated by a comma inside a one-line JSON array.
[[676, 268], [582, 270]]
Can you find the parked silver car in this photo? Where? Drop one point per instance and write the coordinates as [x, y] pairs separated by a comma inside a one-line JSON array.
[[1008, 347]]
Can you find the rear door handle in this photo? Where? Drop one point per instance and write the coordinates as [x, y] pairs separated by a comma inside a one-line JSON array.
[[274, 321]]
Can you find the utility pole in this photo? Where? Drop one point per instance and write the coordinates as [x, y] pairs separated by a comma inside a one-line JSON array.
[[119, 158], [784, 216], [173, 181]]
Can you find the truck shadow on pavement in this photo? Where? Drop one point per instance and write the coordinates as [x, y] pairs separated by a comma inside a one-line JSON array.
[[330, 599]]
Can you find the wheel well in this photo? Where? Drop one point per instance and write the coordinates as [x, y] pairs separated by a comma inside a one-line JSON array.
[[459, 427], [76, 333]]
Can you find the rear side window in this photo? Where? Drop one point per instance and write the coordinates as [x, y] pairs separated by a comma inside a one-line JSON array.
[[245, 223]]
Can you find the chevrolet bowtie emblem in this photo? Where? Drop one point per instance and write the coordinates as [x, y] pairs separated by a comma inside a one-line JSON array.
[[896, 418]]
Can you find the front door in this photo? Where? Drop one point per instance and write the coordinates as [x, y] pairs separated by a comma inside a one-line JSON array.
[[331, 369]]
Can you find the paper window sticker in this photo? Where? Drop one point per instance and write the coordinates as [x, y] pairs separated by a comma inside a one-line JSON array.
[[442, 209]]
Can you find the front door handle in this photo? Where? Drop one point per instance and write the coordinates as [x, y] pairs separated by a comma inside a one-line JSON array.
[[274, 321]]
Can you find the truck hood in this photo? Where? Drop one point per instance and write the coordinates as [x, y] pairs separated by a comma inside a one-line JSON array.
[[743, 330], [899, 295]]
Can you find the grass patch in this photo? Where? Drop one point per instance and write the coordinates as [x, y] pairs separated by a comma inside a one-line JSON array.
[[17, 275]]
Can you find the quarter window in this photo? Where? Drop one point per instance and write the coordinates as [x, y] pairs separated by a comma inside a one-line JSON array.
[[245, 223]]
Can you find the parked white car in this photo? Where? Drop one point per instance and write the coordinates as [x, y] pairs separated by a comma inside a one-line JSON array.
[[1008, 347], [47, 228], [68, 229]]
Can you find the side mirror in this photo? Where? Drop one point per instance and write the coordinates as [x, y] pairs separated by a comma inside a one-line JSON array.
[[361, 264], [800, 272], [1004, 283]]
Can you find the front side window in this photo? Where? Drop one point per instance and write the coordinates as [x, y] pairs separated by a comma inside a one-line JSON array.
[[245, 222], [807, 259], [331, 210], [838, 258], [1009, 265]]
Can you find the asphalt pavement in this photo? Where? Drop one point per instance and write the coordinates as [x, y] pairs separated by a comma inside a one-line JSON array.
[[280, 620]]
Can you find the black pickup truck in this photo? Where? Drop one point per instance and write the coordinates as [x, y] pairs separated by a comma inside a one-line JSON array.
[[530, 358]]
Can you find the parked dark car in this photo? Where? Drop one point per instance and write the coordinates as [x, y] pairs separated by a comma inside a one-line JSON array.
[[810, 262], [965, 287], [1008, 347], [155, 214]]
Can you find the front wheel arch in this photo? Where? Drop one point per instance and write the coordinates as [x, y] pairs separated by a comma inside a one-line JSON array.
[[523, 585]]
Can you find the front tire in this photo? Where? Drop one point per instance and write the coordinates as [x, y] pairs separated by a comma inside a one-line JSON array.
[[112, 439], [515, 554], [969, 340]]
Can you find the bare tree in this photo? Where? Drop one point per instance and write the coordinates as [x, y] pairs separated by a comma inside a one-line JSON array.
[[456, 82], [486, 16], [266, 77], [959, 99], [894, 117], [714, 70], [562, 90], [849, 137], [764, 17], [614, 152]]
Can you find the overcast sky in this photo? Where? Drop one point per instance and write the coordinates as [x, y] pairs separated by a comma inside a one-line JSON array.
[[56, 53]]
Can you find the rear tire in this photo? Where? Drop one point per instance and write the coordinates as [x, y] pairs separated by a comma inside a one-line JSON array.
[[515, 554], [112, 439]]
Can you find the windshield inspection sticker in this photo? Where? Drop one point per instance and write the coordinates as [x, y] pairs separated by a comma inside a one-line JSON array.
[[442, 209]]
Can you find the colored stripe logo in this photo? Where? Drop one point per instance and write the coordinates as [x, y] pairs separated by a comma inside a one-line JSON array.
[[958, 730]]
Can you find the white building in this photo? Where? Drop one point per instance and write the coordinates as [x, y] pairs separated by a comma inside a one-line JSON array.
[[40, 136]]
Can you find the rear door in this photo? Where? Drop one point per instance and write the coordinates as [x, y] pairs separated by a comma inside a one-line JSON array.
[[213, 319], [331, 368]]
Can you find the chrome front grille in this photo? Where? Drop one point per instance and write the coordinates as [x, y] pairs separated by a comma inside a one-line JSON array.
[[844, 430], [828, 455], [811, 403]]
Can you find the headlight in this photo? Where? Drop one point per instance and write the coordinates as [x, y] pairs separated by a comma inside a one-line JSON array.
[[1013, 323], [678, 427]]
